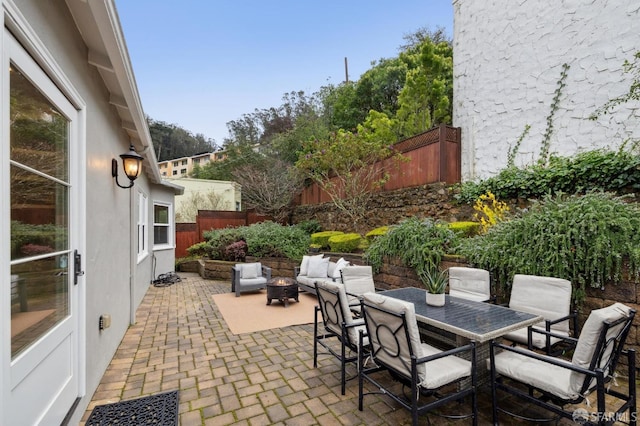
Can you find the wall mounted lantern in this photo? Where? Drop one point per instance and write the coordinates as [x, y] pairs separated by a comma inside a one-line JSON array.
[[131, 163]]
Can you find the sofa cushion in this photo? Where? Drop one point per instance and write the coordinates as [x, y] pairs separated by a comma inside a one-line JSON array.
[[341, 263], [318, 267], [249, 270], [304, 266]]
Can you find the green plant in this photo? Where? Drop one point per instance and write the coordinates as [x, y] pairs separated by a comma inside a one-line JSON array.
[[465, 229], [489, 210], [310, 226], [580, 238], [322, 238], [345, 243], [603, 170], [417, 243], [546, 139], [511, 156], [371, 235], [434, 280]]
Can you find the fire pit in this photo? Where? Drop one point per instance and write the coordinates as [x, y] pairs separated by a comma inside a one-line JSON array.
[[282, 289]]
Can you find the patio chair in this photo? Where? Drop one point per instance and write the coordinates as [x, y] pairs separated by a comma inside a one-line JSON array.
[[551, 298], [470, 283], [357, 280], [395, 347], [339, 325], [552, 383], [249, 277]]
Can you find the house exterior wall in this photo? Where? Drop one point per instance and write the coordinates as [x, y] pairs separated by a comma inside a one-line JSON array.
[[182, 167], [230, 194], [508, 57], [114, 282]]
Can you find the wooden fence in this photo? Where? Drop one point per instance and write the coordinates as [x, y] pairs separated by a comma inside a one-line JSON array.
[[188, 234], [434, 156]]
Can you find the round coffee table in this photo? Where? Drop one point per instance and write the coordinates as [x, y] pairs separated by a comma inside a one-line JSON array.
[[282, 289]]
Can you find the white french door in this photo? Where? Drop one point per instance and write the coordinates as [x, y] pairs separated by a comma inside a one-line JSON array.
[[41, 352]]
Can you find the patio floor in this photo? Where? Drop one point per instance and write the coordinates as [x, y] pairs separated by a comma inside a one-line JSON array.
[[181, 341]]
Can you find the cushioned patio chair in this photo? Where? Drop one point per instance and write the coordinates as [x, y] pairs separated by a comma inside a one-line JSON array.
[[549, 297], [470, 283], [552, 383], [339, 326], [249, 277], [395, 347]]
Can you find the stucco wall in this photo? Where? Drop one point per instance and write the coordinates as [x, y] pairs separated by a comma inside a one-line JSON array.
[[229, 194], [508, 57]]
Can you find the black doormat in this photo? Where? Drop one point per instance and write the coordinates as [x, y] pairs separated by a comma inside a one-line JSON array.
[[160, 409]]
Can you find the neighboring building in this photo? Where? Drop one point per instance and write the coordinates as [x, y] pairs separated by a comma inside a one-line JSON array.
[[182, 167], [83, 251], [205, 194], [508, 58]]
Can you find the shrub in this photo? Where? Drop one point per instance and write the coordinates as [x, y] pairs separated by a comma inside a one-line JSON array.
[[200, 249], [490, 211], [345, 243], [35, 249], [310, 226], [219, 239], [465, 229], [269, 239], [580, 238], [236, 252], [322, 238], [602, 170], [419, 244], [371, 235]]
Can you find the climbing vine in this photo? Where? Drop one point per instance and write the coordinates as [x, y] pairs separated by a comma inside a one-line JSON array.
[[546, 139]]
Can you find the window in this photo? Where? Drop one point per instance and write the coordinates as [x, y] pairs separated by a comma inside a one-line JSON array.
[[196, 161], [143, 225], [175, 164], [175, 172], [162, 224], [184, 162], [183, 171]]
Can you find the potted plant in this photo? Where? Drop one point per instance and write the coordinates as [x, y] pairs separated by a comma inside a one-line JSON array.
[[435, 282]]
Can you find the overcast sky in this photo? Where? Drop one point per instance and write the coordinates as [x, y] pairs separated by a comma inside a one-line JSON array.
[[202, 63]]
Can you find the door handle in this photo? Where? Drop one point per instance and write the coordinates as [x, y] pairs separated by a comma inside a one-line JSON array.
[[77, 266]]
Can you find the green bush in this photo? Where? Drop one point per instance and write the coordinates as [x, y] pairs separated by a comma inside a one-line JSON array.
[[264, 239], [465, 229], [614, 171], [345, 243], [371, 235], [310, 226], [580, 238], [419, 243], [48, 235], [200, 249], [322, 238]]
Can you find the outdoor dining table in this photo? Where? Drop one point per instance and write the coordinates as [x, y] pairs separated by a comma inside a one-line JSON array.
[[462, 320]]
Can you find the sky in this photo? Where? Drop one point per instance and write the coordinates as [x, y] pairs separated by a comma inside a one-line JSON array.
[[202, 63]]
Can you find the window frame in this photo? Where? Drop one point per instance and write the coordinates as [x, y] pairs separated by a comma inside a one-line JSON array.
[[169, 225]]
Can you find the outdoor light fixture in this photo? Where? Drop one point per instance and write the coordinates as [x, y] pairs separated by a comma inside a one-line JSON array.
[[131, 163]]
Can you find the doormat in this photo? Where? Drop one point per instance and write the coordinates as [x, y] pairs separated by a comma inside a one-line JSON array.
[[160, 409]]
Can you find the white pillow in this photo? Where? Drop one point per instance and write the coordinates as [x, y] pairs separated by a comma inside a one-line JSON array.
[[251, 270], [304, 266], [341, 263], [318, 267]]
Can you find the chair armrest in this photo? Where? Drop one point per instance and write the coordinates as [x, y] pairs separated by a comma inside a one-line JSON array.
[[296, 271], [266, 272], [545, 358], [469, 347], [235, 278], [530, 330], [572, 316]]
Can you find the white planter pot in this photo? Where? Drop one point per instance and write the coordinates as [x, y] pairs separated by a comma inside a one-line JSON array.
[[435, 299]]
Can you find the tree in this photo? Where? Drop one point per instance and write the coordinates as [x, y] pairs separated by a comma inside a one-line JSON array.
[[269, 187], [348, 166], [171, 141]]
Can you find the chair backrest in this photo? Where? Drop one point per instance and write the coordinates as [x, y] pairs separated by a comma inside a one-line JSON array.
[[358, 279], [470, 283], [335, 309], [546, 296], [601, 340], [393, 333], [249, 270]]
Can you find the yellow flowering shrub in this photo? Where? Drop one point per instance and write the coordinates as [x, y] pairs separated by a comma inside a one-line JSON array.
[[489, 210]]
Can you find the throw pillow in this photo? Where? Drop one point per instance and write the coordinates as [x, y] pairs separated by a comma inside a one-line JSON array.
[[251, 270], [318, 268], [341, 263], [304, 266]]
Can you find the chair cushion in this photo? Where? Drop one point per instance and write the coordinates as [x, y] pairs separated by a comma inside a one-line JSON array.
[[249, 270], [344, 313], [318, 267], [445, 370], [357, 281], [470, 283], [546, 296], [252, 281], [548, 377], [584, 352], [304, 266], [539, 340]]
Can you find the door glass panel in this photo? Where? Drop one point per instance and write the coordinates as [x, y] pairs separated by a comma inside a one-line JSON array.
[[39, 195]]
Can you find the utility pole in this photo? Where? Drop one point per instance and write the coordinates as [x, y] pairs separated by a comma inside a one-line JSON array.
[[346, 70]]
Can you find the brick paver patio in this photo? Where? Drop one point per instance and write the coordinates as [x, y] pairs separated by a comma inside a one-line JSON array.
[[180, 341]]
